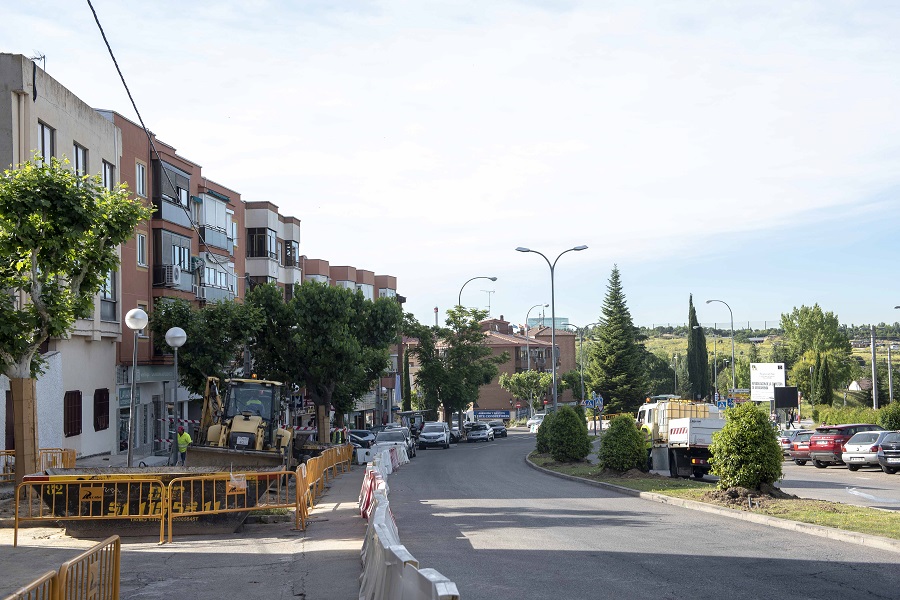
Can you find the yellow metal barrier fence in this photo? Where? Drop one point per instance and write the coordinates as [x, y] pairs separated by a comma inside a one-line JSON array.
[[92, 575], [76, 499], [51, 458], [190, 497], [43, 588]]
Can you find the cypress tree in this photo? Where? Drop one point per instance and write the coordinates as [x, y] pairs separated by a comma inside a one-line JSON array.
[[825, 381], [615, 358], [814, 380], [697, 359]]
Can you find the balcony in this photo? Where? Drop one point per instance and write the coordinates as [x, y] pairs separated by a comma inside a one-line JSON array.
[[216, 238]]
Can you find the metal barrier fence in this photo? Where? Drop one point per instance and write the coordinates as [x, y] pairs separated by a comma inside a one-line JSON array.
[[190, 497], [50, 458], [92, 575], [90, 499]]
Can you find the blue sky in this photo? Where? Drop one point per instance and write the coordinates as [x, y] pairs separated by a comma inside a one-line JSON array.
[[744, 150]]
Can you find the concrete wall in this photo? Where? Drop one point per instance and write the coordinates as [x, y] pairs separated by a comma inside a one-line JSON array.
[[49, 389]]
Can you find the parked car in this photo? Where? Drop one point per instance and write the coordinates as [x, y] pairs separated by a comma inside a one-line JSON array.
[[467, 426], [362, 437], [536, 419], [435, 434], [889, 453], [787, 436], [800, 448], [455, 435], [498, 427], [395, 436], [479, 432], [862, 449], [827, 444]]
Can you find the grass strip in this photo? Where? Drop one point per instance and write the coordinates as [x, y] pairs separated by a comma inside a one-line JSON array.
[[848, 517]]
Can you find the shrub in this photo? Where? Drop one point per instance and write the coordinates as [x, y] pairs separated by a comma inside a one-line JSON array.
[[840, 415], [889, 416], [746, 452], [543, 433], [568, 437], [622, 447], [579, 410]]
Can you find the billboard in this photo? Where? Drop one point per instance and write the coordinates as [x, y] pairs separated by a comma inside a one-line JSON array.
[[764, 378]]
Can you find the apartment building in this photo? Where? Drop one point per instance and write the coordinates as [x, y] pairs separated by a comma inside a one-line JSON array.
[[39, 115]]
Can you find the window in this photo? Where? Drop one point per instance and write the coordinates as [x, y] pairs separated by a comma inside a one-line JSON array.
[[141, 241], [183, 197], [261, 243], [101, 409], [172, 249], [72, 413], [291, 254], [109, 175], [79, 157], [140, 179], [108, 298], [46, 141], [279, 254]]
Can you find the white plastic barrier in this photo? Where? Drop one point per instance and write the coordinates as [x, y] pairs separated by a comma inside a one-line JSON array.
[[420, 584], [390, 572]]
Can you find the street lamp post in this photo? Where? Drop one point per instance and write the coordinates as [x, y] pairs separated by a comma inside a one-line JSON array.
[[136, 320], [175, 338], [553, 307], [733, 379], [459, 303], [527, 349], [580, 331]]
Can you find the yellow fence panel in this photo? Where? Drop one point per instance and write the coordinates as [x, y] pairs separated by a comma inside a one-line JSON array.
[[93, 574], [51, 458], [43, 588], [7, 466], [90, 499]]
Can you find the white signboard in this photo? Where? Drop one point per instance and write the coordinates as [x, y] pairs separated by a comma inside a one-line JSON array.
[[764, 378]]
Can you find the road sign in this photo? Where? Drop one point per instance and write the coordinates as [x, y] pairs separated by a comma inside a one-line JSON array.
[[721, 404], [589, 403]]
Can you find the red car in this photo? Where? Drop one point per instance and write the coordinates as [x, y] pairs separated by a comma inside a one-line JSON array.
[[827, 444], [799, 452]]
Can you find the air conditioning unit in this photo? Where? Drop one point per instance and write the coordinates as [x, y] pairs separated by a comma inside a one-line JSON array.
[[196, 289], [201, 293], [172, 275]]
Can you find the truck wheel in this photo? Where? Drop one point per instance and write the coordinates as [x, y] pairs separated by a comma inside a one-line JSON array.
[[819, 464], [698, 474], [673, 468]]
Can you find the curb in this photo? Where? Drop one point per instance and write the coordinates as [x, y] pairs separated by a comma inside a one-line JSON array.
[[871, 541]]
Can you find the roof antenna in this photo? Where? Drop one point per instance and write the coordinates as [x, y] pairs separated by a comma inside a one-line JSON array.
[[38, 55]]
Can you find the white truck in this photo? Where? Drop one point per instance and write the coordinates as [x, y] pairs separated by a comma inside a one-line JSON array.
[[680, 432]]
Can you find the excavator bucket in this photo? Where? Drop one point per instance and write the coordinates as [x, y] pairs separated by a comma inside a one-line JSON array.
[[213, 456]]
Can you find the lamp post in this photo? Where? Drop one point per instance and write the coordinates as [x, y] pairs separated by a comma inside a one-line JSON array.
[[175, 338], [580, 331], [527, 350], [136, 320], [459, 303], [553, 307], [675, 369], [733, 384]]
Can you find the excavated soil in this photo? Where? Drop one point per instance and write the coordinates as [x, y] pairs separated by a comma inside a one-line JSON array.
[[743, 498]]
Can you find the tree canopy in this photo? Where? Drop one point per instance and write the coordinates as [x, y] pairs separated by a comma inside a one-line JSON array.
[[59, 238], [615, 366], [810, 328]]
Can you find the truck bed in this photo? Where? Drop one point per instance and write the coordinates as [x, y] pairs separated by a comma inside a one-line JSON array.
[[693, 432]]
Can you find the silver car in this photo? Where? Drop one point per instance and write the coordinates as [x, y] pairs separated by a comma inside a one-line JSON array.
[[861, 450], [480, 432]]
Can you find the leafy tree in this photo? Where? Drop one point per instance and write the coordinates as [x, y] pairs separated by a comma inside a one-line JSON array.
[[697, 359], [824, 381], [570, 380], [407, 383], [568, 438], [615, 367], [216, 335], [658, 374], [746, 453], [59, 233], [530, 386], [809, 328], [622, 447], [337, 344]]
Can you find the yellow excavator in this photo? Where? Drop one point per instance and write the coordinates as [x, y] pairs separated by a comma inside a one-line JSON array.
[[242, 429]]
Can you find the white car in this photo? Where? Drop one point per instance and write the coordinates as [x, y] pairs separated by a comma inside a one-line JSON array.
[[535, 420], [435, 434]]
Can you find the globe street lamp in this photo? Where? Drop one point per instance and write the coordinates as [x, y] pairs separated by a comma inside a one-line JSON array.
[[733, 385], [459, 303], [175, 338], [553, 307], [675, 369], [136, 320]]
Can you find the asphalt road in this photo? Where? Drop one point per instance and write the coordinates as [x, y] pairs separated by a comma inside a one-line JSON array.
[[500, 529], [868, 486]]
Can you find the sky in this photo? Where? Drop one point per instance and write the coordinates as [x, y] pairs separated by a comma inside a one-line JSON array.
[[742, 151]]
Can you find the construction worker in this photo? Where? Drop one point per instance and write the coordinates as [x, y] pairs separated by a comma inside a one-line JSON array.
[[184, 440]]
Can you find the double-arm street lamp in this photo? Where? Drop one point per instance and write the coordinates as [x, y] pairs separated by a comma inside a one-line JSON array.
[[527, 327], [459, 303], [553, 308], [580, 331], [733, 386]]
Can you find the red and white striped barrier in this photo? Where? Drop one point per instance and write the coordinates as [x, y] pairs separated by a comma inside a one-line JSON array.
[[171, 420]]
